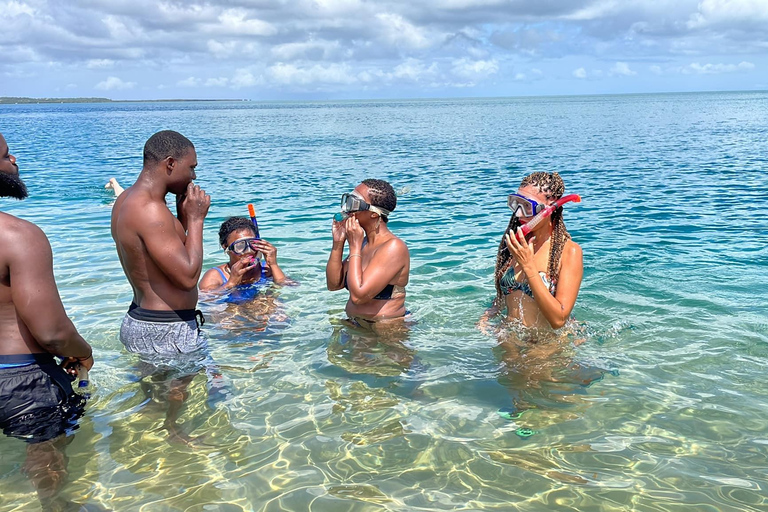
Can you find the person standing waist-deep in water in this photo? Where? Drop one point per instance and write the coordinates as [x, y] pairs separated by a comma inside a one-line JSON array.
[[376, 270], [37, 403], [161, 254], [537, 276]]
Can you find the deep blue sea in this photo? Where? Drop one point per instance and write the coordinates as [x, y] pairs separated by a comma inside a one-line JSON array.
[[664, 406]]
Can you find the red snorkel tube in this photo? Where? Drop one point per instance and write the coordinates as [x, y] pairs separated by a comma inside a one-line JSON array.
[[546, 212]]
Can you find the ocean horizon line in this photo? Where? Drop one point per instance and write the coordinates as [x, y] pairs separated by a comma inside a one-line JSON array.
[[23, 100]]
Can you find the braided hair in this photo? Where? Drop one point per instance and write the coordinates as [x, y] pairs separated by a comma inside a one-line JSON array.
[[552, 186], [382, 195]]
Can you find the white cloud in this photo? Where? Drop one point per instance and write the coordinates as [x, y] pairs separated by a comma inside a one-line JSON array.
[[14, 8], [113, 83], [189, 82], [236, 22], [397, 30], [477, 69], [716, 69], [337, 45], [314, 50], [415, 70], [222, 50], [217, 82], [99, 63], [290, 74], [719, 12], [622, 69], [245, 78]]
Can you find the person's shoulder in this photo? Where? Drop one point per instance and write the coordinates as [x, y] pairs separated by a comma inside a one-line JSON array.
[[397, 244], [211, 279], [12, 228], [21, 240], [571, 249], [138, 207]]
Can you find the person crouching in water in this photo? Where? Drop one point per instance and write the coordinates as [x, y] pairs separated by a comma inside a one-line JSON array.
[[377, 268], [538, 276], [237, 236]]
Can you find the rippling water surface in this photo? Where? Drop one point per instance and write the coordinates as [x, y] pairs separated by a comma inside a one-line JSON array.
[[663, 407]]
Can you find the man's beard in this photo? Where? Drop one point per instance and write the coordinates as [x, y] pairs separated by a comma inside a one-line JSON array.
[[11, 185]]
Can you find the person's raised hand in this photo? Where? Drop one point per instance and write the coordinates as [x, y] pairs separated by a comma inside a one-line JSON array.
[[355, 233], [522, 250], [238, 270], [339, 231], [268, 250], [196, 203]]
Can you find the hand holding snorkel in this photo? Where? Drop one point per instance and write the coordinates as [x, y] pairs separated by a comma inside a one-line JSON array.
[[529, 226], [519, 246]]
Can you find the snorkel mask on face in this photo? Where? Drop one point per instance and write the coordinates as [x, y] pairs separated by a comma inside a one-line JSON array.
[[351, 203], [522, 206]]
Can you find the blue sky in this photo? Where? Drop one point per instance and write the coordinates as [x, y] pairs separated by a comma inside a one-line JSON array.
[[348, 49]]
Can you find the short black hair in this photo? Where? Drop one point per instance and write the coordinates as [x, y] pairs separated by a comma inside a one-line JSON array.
[[164, 144], [382, 195], [233, 224]]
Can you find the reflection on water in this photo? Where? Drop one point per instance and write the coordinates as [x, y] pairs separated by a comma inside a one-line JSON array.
[[297, 413], [373, 349], [543, 376]]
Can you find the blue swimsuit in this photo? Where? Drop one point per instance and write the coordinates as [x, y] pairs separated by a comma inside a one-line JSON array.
[[243, 292]]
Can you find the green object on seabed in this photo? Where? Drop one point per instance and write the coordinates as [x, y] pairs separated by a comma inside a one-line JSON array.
[[524, 432]]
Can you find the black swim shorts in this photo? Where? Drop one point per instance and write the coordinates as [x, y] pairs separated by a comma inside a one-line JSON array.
[[37, 402]]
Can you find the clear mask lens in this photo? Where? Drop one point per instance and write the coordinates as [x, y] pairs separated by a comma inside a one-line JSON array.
[[523, 207], [242, 246]]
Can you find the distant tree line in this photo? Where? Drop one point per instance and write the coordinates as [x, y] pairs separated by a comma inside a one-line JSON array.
[[19, 100]]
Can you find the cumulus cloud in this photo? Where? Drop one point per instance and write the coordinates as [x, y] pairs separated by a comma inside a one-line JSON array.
[[99, 63], [622, 69], [716, 69], [478, 69], [189, 82], [342, 44], [114, 83], [729, 12]]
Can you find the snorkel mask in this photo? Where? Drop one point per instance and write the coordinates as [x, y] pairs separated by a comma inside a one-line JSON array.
[[351, 203], [523, 206], [242, 246]]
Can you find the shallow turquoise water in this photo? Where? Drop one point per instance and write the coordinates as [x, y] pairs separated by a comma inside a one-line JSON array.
[[672, 308]]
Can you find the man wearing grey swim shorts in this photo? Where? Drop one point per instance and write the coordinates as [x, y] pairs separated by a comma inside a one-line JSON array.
[[162, 254]]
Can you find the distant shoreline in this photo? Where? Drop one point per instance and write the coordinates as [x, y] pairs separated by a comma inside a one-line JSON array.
[[13, 100]]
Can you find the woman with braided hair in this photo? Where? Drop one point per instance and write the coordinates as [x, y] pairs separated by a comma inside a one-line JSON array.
[[537, 276], [378, 265]]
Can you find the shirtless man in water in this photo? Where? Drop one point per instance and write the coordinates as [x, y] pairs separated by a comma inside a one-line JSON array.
[[162, 255], [37, 403]]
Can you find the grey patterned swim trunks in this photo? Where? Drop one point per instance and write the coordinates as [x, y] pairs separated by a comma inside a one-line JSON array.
[[166, 333]]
